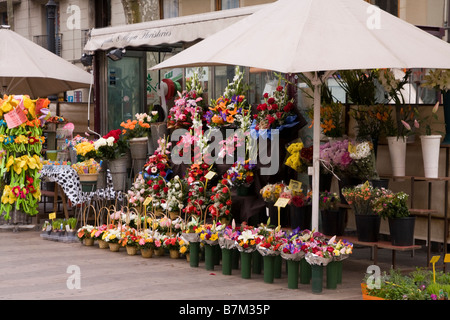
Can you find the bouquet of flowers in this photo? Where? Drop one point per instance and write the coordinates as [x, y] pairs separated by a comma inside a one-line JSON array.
[[275, 113], [129, 237], [112, 235], [210, 234], [197, 172], [158, 191], [172, 243], [139, 126], [177, 194], [111, 146], [146, 240], [231, 106], [182, 114], [363, 157], [184, 246], [157, 164], [197, 200], [318, 252], [138, 192], [335, 157], [85, 232], [248, 240], [293, 158], [342, 248], [221, 201], [292, 247], [228, 236], [329, 201], [271, 240], [240, 174], [361, 198], [271, 192], [192, 229]]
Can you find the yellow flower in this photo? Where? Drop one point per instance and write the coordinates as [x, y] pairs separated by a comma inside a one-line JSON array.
[[20, 164], [9, 104], [8, 196], [21, 139], [214, 237], [183, 249]]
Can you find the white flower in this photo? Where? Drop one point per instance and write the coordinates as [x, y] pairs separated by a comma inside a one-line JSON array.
[[110, 141]]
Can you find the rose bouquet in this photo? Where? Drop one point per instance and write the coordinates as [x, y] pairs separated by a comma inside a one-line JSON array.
[[158, 191], [111, 146], [182, 114], [172, 243], [197, 201], [129, 237], [220, 207], [138, 192], [277, 112]]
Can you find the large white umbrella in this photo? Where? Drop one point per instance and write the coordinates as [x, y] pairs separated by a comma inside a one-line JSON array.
[[27, 68], [310, 36]]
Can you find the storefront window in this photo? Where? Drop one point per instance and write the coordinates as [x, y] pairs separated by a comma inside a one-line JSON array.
[[230, 4], [125, 88], [169, 9]]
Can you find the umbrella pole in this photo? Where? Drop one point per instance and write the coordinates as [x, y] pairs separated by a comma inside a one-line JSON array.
[[316, 153]]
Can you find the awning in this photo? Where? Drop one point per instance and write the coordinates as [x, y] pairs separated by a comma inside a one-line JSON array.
[[166, 31]]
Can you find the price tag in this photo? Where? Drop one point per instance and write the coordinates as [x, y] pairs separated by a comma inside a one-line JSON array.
[[447, 258], [210, 175], [147, 201], [52, 215], [295, 186], [282, 202]]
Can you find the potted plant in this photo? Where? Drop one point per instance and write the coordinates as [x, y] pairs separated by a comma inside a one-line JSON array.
[[72, 223], [394, 207], [360, 198], [333, 217]]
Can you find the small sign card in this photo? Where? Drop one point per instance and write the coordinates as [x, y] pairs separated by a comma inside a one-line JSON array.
[[295, 186], [210, 175], [282, 202], [52, 215], [15, 117], [147, 201]]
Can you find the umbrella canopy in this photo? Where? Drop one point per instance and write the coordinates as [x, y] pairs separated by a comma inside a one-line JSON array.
[[27, 68], [308, 36]]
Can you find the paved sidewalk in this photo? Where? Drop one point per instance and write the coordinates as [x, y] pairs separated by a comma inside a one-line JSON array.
[[33, 268]]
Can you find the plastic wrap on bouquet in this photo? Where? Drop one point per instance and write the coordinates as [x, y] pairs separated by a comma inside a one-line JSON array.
[[211, 242], [227, 243], [267, 252], [246, 250], [340, 257], [191, 237], [314, 259], [293, 256], [267, 133]]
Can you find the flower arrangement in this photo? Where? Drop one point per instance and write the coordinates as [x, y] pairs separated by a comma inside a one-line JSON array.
[[438, 79], [361, 198], [184, 246], [209, 233], [172, 243], [329, 201], [231, 106], [129, 237], [157, 165], [197, 200], [139, 127], [158, 191], [271, 192], [177, 194], [20, 151], [248, 240], [331, 119], [401, 126], [363, 156], [138, 192], [426, 122], [85, 232], [197, 172], [97, 232], [240, 174], [182, 114], [271, 240], [146, 240], [389, 204], [111, 146], [228, 236], [293, 160], [220, 207], [370, 119], [276, 112], [85, 150], [335, 156]]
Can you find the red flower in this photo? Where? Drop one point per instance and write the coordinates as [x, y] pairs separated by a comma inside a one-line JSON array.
[[271, 100], [279, 88]]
